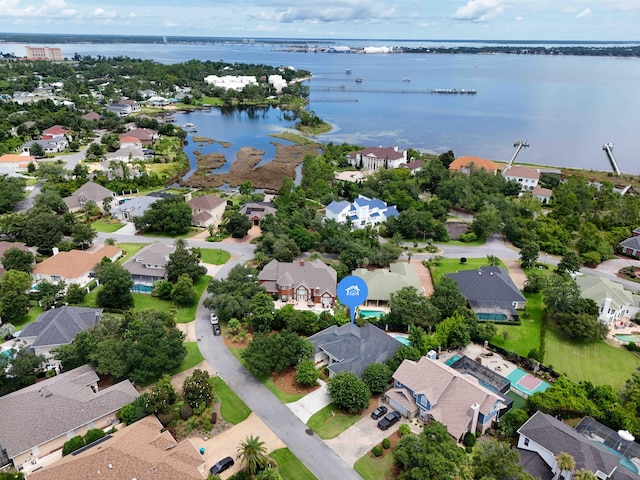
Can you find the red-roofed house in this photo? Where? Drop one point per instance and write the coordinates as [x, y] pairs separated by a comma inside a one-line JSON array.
[[374, 158], [12, 163], [414, 167], [91, 116], [467, 164], [129, 141], [207, 210], [55, 132]]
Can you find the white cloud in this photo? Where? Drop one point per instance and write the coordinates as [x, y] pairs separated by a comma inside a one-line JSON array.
[[101, 12], [132, 15], [569, 10], [519, 18], [46, 8], [330, 11], [585, 13], [479, 10]]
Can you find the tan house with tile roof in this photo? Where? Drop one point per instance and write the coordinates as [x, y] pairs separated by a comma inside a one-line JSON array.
[[75, 266], [141, 450], [12, 163], [37, 420], [430, 389], [207, 210], [467, 164]]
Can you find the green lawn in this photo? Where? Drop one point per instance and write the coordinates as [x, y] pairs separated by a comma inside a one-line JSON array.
[[289, 467], [143, 301], [31, 316], [129, 250], [597, 362], [107, 226], [518, 401], [232, 408], [268, 382], [214, 256], [452, 265], [371, 468], [331, 421], [524, 337]]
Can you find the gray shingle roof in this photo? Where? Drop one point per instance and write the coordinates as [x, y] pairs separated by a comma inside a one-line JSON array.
[[355, 347], [488, 287], [44, 411], [557, 437], [154, 254], [89, 191], [59, 326], [631, 242]]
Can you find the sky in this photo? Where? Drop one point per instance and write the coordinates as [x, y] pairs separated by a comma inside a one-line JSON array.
[[601, 20]]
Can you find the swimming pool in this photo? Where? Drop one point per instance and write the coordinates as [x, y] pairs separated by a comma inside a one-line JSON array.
[[402, 340], [628, 338], [371, 313], [453, 360], [624, 461]]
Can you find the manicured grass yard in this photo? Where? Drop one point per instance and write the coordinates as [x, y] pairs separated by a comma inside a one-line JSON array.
[[371, 468], [31, 316], [597, 362], [129, 250], [108, 226], [232, 408], [214, 256], [452, 265], [268, 382], [143, 301], [524, 337], [331, 421], [518, 401], [289, 467]]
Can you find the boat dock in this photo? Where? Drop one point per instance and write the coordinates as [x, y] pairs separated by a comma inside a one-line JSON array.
[[441, 91]]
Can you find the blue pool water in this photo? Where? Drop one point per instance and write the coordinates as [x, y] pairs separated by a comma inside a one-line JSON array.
[[139, 288], [403, 340], [371, 313], [628, 338], [624, 461], [453, 360]]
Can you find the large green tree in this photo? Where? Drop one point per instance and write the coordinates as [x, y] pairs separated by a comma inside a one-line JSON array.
[[17, 259], [408, 306], [197, 391], [497, 460], [348, 392], [14, 300], [12, 189], [237, 225], [168, 215], [116, 283], [184, 260]]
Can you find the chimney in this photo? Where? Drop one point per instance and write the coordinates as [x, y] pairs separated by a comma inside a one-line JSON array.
[[55, 250], [302, 262], [475, 412], [395, 149]]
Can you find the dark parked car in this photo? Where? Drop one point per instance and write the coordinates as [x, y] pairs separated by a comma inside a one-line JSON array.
[[221, 466], [389, 419], [378, 412], [216, 330]]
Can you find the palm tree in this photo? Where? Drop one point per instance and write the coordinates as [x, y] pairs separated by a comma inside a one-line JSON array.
[[584, 474], [565, 462], [252, 452]]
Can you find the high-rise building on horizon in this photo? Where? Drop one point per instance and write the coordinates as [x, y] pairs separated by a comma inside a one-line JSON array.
[[43, 53]]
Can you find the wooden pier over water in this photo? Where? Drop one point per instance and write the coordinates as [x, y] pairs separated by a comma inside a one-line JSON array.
[[441, 91]]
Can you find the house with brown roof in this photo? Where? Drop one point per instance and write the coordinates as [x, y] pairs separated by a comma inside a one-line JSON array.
[[56, 131], [89, 192], [542, 194], [146, 136], [10, 163], [414, 167], [91, 116], [37, 420], [302, 281], [75, 266], [207, 210], [141, 450], [375, 158], [256, 211], [432, 390], [468, 164], [527, 177]]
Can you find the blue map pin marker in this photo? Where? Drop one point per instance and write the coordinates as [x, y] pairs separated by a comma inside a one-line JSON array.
[[352, 291]]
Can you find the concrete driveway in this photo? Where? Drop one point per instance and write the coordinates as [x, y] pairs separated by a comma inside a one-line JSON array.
[[311, 403], [357, 440]]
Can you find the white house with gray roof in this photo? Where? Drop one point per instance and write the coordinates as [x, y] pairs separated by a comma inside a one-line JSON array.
[[613, 301], [132, 207], [89, 192], [39, 419], [362, 212], [301, 281], [148, 266], [57, 327], [352, 348]]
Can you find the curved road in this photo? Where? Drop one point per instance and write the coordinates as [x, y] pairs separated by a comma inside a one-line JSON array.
[[311, 450]]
